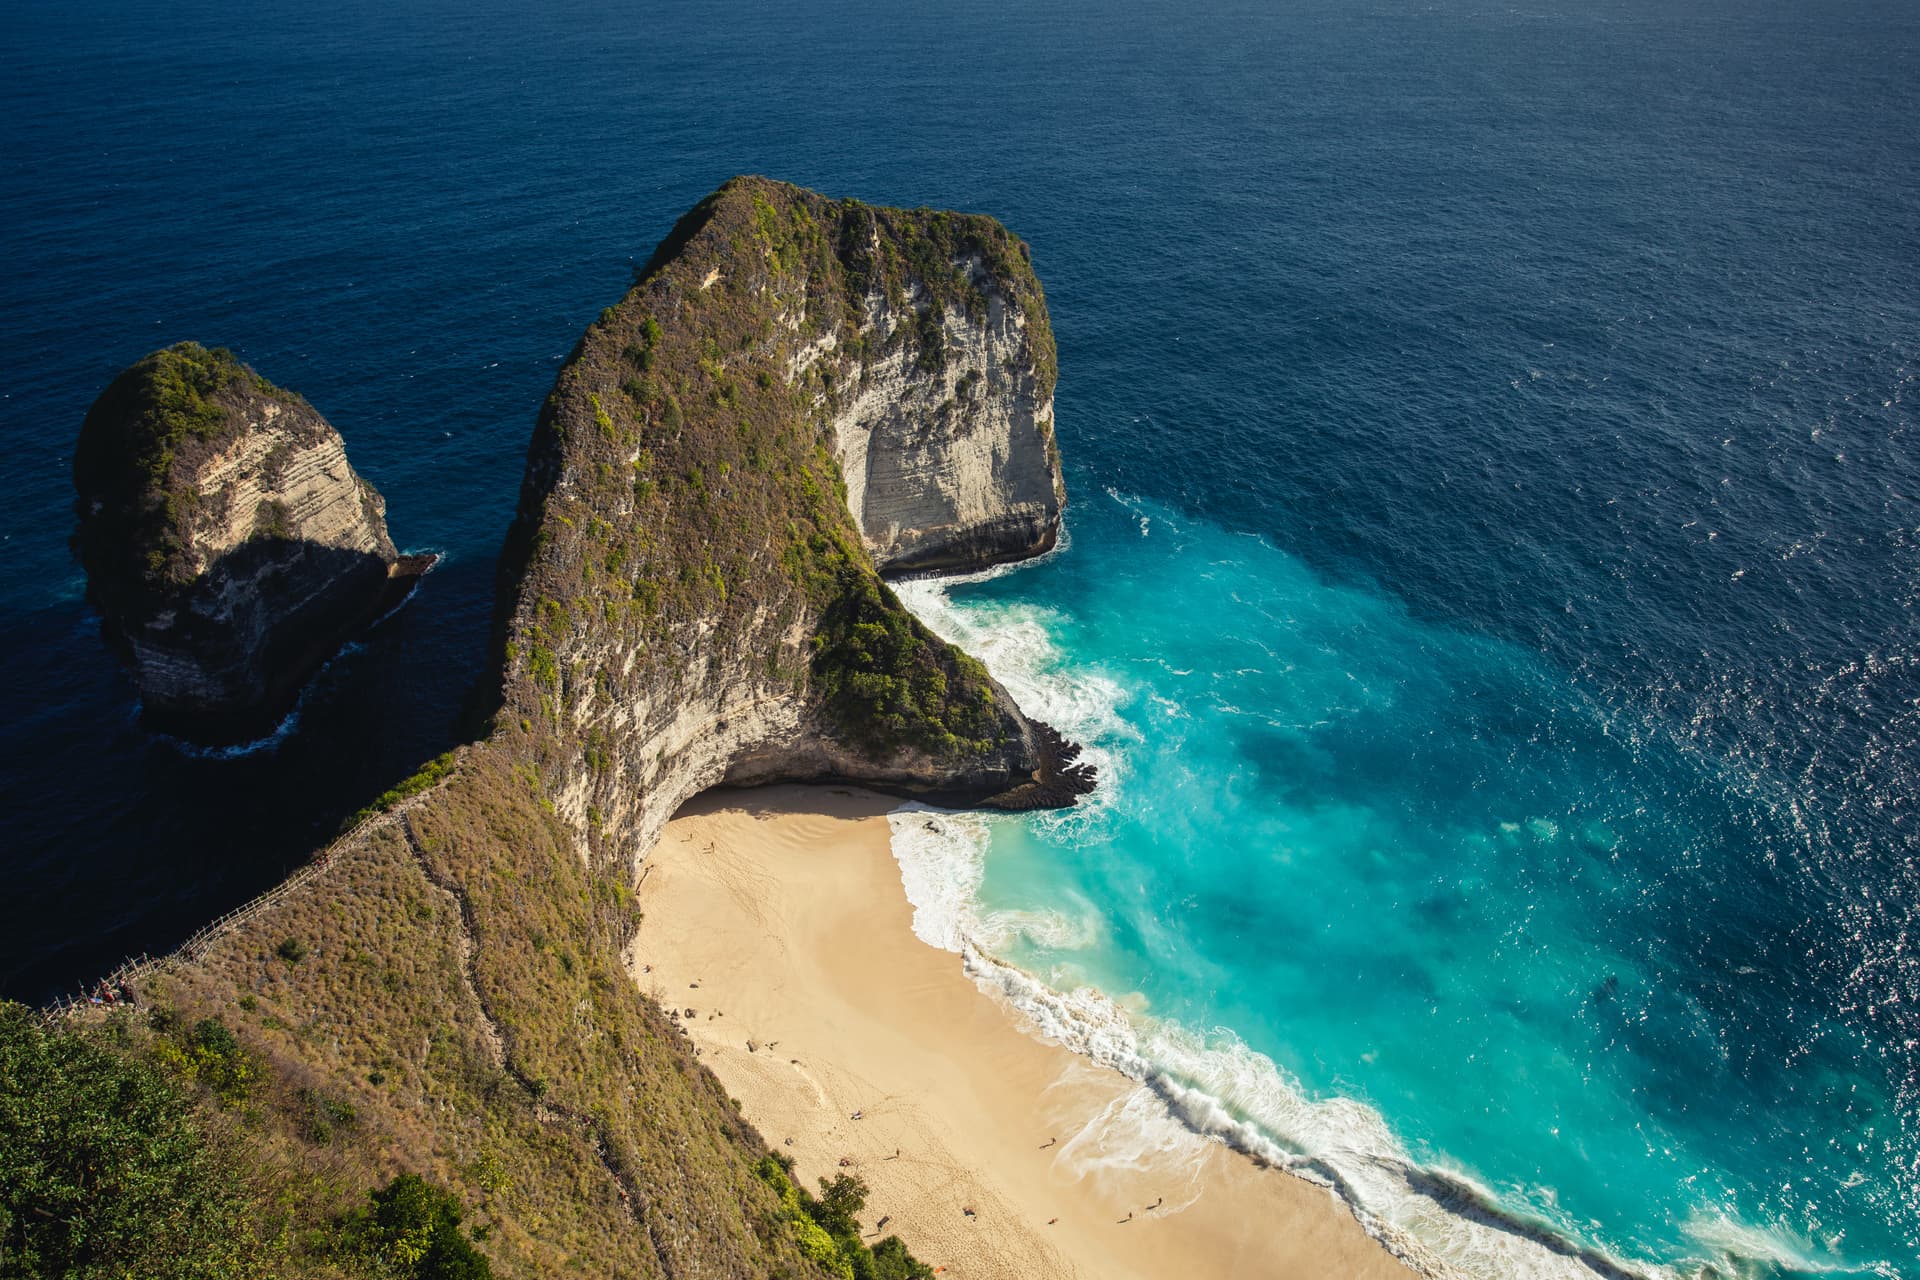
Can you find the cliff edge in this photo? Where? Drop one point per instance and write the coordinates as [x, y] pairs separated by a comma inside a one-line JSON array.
[[228, 545]]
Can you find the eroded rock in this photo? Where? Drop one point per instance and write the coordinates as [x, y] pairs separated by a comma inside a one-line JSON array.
[[797, 394], [229, 546]]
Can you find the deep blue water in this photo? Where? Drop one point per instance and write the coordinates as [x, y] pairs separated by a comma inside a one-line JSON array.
[[1495, 554]]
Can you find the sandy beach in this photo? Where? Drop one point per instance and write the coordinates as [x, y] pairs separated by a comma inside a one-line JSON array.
[[777, 925]]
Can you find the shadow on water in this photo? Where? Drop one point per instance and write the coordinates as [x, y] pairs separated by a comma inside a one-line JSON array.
[[264, 653], [177, 836]]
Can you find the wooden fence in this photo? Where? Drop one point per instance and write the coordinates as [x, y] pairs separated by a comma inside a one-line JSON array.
[[137, 970]]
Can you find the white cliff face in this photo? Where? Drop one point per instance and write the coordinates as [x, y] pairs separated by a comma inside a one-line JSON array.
[[953, 466], [285, 474]]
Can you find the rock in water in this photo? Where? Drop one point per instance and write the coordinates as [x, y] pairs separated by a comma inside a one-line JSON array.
[[228, 545]]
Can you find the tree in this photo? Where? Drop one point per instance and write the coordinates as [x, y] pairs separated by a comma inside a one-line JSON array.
[[104, 1170], [839, 1205], [412, 1230]]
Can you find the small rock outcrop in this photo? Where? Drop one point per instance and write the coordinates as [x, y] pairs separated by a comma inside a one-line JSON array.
[[228, 545], [797, 394]]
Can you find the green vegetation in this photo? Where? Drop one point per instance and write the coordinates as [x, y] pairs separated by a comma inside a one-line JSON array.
[[106, 1169], [425, 778], [272, 519], [210, 1055], [323, 1115], [119, 1158], [889, 682], [412, 1232], [828, 1228]]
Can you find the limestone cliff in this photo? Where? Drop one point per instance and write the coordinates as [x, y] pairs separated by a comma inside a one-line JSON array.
[[946, 440], [687, 598], [228, 544]]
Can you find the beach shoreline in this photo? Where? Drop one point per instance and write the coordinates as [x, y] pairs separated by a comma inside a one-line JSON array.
[[777, 929]]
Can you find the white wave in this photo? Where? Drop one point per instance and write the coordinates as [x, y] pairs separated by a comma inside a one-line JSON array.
[[433, 565], [1739, 1242], [266, 742], [942, 856], [1440, 1222], [1015, 641], [1053, 930], [1135, 1133]]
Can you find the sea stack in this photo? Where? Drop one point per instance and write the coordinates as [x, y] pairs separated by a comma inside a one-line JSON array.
[[228, 545], [798, 396]]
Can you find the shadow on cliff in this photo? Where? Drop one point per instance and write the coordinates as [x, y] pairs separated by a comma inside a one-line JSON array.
[[846, 800], [227, 658]]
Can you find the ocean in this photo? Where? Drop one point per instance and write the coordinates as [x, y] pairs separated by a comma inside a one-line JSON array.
[[1491, 572]]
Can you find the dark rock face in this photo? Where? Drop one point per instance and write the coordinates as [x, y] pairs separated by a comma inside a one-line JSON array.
[[229, 546], [798, 393]]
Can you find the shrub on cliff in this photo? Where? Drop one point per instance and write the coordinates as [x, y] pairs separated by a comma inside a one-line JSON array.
[[411, 1231], [889, 683], [105, 1168], [828, 1228], [422, 779], [891, 1261]]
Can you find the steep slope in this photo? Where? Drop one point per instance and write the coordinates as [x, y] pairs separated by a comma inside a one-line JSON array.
[[228, 544], [685, 600]]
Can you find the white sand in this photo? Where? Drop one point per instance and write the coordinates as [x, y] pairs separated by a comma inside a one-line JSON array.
[[785, 906]]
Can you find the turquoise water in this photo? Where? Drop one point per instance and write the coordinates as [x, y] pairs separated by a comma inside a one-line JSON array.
[[1343, 853]]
